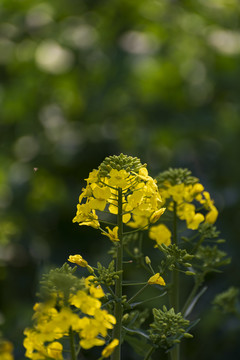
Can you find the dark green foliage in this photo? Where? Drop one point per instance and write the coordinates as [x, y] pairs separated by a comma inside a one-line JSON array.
[[227, 301]]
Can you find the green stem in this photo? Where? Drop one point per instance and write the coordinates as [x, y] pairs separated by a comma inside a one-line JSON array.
[[138, 293], [149, 353], [72, 346], [190, 298], [174, 295], [116, 355]]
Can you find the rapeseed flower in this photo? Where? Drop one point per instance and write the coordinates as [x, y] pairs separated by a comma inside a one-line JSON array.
[[108, 350], [77, 259], [161, 234], [141, 201], [54, 321], [177, 186], [156, 280]]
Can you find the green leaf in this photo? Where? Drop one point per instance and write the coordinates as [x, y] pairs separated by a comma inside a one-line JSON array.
[[140, 346]]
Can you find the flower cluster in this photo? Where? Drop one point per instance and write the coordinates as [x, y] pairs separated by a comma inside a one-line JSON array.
[[177, 186], [141, 202], [81, 315], [168, 327]]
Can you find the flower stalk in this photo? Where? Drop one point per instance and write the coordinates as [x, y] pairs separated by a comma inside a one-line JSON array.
[[116, 355], [72, 345], [174, 296]]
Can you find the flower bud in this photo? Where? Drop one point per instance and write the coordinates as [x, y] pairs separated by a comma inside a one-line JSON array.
[[147, 260]]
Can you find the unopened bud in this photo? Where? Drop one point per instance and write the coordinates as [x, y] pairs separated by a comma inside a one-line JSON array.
[[90, 269], [190, 273], [188, 336], [187, 264], [147, 260]]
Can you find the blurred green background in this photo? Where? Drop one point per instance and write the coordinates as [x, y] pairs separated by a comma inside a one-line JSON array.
[[84, 79]]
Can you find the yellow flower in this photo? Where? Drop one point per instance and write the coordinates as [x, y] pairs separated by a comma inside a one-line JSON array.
[[161, 234], [118, 178], [89, 343], [177, 192], [77, 259], [135, 199], [86, 216], [6, 349], [112, 234], [87, 304], [194, 221], [93, 176], [97, 292], [54, 350], [156, 215], [186, 212], [156, 279], [107, 351], [212, 215], [101, 194]]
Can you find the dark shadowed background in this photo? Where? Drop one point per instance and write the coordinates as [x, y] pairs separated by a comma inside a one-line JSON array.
[[84, 79]]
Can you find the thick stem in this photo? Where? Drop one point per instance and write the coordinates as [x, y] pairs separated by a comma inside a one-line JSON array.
[[118, 286], [72, 345], [174, 296]]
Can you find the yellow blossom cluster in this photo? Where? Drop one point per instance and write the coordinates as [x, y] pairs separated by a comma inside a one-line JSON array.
[[82, 315], [183, 196], [141, 201]]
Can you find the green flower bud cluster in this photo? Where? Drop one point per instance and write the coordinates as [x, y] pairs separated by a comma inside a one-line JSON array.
[[227, 301], [211, 258], [60, 282], [134, 319], [106, 276], [168, 328], [173, 256], [208, 231], [121, 162], [176, 177]]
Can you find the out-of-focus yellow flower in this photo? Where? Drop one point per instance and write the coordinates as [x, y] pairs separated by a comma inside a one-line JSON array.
[[54, 350], [108, 350], [161, 234], [85, 303], [6, 349], [156, 279], [194, 221], [212, 215], [78, 259], [89, 343]]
